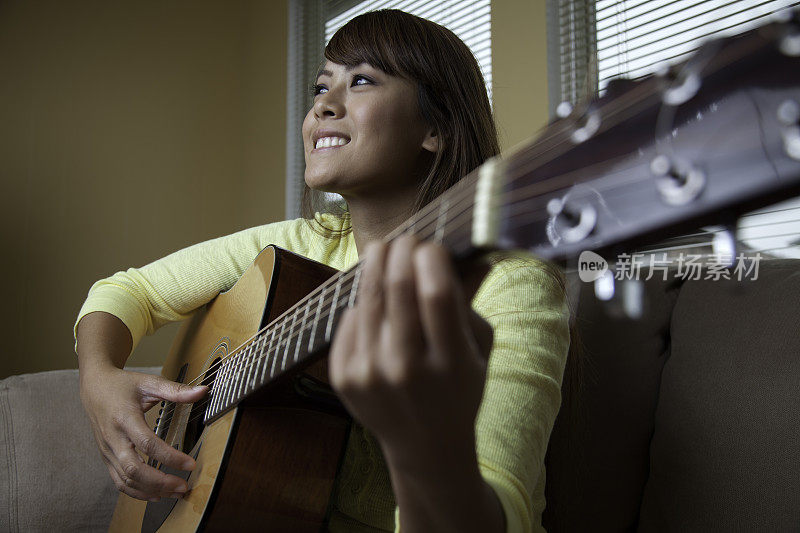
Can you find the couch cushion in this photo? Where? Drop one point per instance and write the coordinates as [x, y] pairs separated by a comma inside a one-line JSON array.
[[725, 454], [598, 456], [52, 477]]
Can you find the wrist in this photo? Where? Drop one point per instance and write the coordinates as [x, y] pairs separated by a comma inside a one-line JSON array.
[[444, 458]]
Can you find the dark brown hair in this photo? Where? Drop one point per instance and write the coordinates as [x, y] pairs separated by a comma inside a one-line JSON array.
[[450, 90]]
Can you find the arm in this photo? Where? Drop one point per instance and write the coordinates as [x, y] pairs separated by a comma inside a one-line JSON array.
[[118, 311]]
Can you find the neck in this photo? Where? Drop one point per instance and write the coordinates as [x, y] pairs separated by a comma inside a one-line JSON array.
[[373, 219]]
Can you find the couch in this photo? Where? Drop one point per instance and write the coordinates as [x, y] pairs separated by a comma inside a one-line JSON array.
[[687, 419]]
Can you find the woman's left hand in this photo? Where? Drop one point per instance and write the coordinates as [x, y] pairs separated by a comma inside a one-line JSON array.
[[409, 360]]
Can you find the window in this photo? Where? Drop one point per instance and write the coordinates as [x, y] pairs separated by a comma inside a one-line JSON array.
[[313, 22], [593, 41]]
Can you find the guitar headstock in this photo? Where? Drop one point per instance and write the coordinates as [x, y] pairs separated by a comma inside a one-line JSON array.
[[699, 143]]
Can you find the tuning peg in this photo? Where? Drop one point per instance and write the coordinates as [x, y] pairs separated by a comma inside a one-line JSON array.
[[604, 286], [632, 298], [681, 86], [590, 124], [564, 109], [723, 245], [570, 221], [677, 183], [790, 41], [789, 117]]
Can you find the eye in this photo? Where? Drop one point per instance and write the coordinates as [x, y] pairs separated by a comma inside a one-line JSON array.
[[316, 89], [360, 79]]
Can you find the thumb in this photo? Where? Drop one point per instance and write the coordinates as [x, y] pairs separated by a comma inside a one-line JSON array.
[[164, 389]]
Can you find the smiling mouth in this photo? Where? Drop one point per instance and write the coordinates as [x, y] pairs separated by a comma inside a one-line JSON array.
[[330, 142]]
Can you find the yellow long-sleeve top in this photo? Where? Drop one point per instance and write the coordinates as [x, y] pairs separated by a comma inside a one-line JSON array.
[[521, 298]]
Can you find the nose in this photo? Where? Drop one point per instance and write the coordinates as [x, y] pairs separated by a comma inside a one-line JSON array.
[[328, 105]]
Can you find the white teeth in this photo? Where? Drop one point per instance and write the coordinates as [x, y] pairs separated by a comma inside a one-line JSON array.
[[326, 142]]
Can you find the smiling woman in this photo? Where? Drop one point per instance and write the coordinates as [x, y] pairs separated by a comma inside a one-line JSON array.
[[441, 440]]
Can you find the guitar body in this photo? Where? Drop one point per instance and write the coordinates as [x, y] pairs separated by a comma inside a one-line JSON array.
[[270, 463]]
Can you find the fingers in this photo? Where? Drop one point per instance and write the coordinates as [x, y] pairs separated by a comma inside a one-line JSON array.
[[442, 305], [343, 351], [157, 388], [123, 435], [370, 298], [401, 299]]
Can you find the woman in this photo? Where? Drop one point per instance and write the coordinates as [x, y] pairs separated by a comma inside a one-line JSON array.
[[400, 114]]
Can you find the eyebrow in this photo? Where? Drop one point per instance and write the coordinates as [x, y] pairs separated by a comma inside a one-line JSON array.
[[326, 72], [323, 72]]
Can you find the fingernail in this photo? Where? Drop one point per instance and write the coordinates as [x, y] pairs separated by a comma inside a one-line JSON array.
[[188, 465]]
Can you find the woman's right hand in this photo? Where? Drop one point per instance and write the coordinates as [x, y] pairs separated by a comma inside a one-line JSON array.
[[116, 401]]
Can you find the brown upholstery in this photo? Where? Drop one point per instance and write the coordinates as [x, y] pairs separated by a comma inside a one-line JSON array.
[[725, 454], [51, 476], [688, 419]]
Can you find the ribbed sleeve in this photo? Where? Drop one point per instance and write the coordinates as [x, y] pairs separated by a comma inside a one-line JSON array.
[[524, 301]]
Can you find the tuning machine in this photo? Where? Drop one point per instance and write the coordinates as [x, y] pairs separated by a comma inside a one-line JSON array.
[[570, 220], [587, 121], [789, 118], [723, 245], [789, 43], [680, 86], [677, 182]]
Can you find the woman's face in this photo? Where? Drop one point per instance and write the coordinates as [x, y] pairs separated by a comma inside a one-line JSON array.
[[364, 134]]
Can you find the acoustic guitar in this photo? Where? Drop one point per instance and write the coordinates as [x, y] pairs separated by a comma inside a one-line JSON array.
[[700, 143]]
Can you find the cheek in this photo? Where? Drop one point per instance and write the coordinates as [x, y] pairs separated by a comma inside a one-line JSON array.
[[308, 122]]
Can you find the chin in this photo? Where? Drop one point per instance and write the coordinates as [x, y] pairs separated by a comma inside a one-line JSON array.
[[322, 183]]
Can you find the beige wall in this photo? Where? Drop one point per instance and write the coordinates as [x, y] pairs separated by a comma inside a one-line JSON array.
[[128, 131], [519, 68]]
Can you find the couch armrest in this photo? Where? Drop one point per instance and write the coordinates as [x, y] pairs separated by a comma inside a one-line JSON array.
[[52, 476]]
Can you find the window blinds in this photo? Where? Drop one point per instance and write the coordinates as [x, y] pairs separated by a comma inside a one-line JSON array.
[[313, 22]]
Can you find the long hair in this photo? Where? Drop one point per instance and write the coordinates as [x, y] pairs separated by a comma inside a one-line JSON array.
[[450, 90]]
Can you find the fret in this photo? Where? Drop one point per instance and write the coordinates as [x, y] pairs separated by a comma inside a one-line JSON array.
[[299, 341], [239, 367], [311, 337], [216, 388], [329, 327], [250, 364], [268, 354], [277, 348], [259, 359], [229, 375], [351, 301], [234, 377], [289, 341]]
